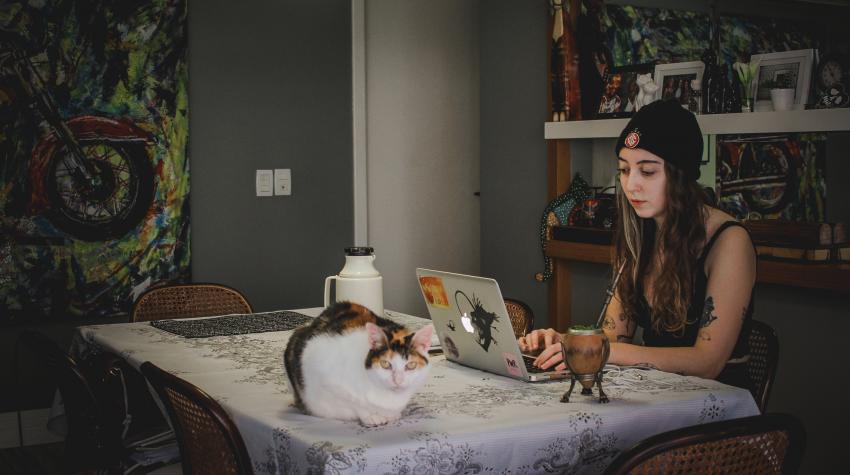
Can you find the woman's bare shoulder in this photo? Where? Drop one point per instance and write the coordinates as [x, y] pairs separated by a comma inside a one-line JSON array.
[[732, 245], [716, 218]]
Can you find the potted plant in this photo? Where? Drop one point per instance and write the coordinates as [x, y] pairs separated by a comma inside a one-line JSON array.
[[781, 92], [746, 75]]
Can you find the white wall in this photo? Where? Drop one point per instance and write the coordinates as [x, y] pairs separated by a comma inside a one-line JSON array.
[[422, 130]]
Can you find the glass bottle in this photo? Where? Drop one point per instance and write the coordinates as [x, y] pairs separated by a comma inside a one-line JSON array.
[[735, 94], [708, 80], [715, 91]]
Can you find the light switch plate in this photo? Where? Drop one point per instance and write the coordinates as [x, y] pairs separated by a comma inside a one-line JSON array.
[[264, 182], [282, 181]]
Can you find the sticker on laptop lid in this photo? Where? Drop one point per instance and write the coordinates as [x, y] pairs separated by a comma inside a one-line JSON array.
[[449, 347], [512, 364], [435, 293]]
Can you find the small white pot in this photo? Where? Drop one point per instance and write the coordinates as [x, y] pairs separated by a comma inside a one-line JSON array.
[[782, 99]]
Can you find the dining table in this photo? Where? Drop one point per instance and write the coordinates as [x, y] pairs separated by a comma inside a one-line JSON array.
[[462, 420]]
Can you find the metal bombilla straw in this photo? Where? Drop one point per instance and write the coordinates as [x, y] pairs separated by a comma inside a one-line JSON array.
[[609, 292]]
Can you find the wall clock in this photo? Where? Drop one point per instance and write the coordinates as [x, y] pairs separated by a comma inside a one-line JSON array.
[[830, 76]]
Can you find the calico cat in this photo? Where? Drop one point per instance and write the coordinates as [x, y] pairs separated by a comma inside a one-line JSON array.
[[351, 364]]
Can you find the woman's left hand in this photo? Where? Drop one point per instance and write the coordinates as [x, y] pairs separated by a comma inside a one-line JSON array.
[[551, 356]]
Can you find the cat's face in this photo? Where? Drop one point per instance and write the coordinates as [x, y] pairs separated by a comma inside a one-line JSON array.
[[398, 361], [395, 372]]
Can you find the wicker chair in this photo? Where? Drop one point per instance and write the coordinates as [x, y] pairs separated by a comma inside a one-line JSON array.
[[209, 440], [765, 444], [94, 439], [764, 357], [521, 315], [188, 300]]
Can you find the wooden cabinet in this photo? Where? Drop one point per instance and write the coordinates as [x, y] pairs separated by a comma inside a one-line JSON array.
[[830, 276]]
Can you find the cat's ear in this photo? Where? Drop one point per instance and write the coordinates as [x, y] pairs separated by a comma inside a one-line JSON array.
[[377, 337], [422, 339]]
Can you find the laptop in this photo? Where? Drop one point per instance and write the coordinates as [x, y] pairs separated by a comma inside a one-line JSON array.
[[473, 326]]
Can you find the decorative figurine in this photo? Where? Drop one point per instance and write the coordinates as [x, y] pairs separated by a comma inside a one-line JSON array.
[[557, 213], [566, 95], [648, 88]]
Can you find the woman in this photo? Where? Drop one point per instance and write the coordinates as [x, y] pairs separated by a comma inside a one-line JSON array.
[[688, 269]]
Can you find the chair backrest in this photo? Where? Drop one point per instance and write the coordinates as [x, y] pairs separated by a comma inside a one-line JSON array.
[[94, 438], [209, 440], [188, 300], [521, 315], [764, 444], [764, 357]]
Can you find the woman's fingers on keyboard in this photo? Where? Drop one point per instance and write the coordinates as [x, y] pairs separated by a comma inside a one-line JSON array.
[[539, 339], [522, 345], [548, 357]]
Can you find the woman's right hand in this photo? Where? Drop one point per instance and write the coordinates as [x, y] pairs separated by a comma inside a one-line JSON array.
[[549, 341]]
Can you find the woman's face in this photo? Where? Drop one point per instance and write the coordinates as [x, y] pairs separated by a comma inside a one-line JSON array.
[[644, 182]]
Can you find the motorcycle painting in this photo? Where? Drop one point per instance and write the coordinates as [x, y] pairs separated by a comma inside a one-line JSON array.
[[94, 173], [773, 177]]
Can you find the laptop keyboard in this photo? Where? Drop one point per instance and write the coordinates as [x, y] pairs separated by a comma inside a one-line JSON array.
[[529, 365]]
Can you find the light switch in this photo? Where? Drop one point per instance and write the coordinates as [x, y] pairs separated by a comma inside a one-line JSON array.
[[264, 182], [282, 181]]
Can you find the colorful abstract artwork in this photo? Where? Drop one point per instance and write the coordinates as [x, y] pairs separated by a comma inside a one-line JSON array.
[[94, 172], [772, 177], [638, 35]]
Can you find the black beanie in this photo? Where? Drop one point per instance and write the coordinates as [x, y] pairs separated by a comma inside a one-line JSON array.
[[666, 129]]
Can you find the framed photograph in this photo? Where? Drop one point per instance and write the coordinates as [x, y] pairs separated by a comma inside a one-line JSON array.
[[794, 66], [674, 80], [621, 90]]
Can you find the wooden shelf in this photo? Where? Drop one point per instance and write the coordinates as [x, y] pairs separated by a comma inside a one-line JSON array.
[[831, 276], [814, 120], [577, 251]]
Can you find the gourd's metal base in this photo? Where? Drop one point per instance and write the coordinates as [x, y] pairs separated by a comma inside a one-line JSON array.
[[597, 378]]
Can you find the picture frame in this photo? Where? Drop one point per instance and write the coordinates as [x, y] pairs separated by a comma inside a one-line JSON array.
[[674, 80], [620, 90], [796, 63]]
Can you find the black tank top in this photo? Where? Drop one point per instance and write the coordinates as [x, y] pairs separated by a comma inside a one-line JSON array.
[[733, 373]]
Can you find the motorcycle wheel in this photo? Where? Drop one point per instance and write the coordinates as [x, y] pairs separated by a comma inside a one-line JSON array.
[[109, 209]]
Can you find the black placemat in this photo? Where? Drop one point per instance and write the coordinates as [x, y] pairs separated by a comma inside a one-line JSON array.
[[233, 324]]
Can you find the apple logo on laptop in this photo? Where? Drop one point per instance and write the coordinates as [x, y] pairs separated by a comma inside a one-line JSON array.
[[467, 323]]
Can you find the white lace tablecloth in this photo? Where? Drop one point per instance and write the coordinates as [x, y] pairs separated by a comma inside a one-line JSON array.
[[461, 421]]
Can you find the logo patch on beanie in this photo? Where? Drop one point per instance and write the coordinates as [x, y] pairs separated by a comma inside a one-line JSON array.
[[632, 139]]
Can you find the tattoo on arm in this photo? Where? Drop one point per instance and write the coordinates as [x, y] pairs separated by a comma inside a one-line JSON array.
[[608, 324], [707, 319], [627, 338], [708, 316]]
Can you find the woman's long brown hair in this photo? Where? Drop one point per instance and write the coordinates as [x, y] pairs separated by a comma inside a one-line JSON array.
[[676, 247]]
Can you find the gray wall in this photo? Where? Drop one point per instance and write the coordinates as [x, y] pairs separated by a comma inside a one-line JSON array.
[[270, 87], [513, 153], [422, 126], [812, 325]]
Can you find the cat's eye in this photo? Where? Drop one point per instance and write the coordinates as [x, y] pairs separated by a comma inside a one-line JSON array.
[[386, 364], [411, 365]]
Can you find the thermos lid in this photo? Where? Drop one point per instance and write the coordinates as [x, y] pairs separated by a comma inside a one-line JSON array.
[[359, 251]]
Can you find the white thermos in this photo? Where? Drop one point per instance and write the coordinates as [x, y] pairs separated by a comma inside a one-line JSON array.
[[358, 281]]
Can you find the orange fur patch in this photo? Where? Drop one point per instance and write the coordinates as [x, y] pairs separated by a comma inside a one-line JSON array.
[[399, 336], [363, 315]]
